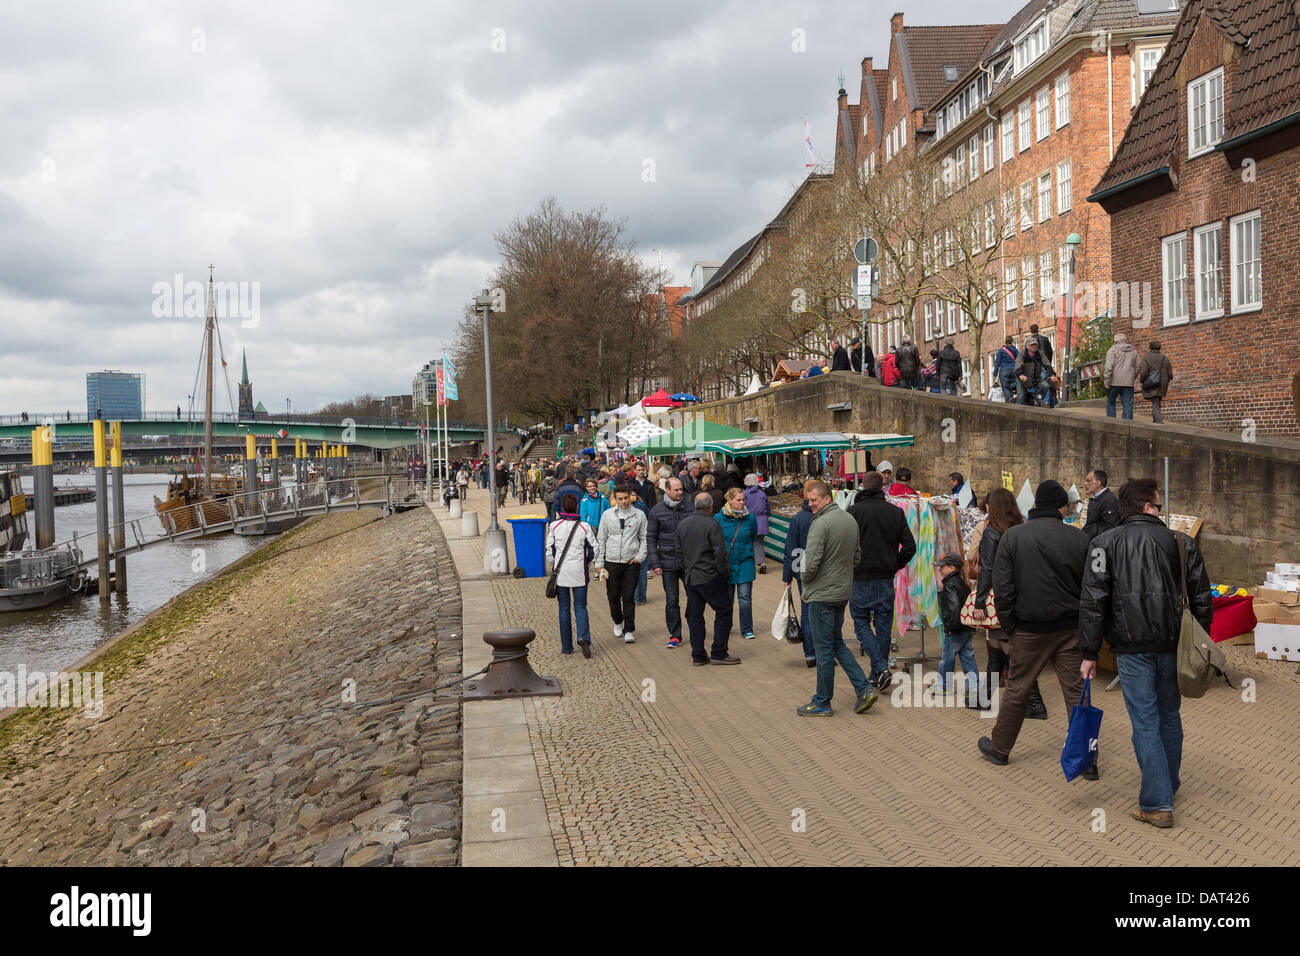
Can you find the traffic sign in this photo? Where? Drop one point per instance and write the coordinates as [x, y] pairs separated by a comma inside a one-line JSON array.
[[865, 250], [864, 280]]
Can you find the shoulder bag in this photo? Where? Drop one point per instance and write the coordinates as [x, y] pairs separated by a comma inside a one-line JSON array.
[[1200, 662], [552, 590]]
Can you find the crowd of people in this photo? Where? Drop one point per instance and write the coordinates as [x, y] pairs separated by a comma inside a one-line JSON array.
[[1040, 591], [1023, 374]]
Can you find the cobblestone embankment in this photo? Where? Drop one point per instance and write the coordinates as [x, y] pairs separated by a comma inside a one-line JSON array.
[[347, 604]]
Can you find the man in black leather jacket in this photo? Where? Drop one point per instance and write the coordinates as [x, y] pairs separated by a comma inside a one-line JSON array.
[[1133, 597], [1036, 581], [661, 554], [887, 547]]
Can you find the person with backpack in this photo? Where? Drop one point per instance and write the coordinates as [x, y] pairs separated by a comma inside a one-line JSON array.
[[1155, 372], [570, 546], [949, 368], [908, 362], [1004, 368], [1134, 585]]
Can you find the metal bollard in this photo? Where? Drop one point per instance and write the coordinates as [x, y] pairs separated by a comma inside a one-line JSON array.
[[469, 524], [456, 511], [509, 674]]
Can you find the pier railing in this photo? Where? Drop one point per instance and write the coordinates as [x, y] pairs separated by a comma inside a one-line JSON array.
[[247, 510]]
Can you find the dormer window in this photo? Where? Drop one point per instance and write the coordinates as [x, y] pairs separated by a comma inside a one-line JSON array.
[[1204, 112], [950, 74], [1031, 45], [893, 88]]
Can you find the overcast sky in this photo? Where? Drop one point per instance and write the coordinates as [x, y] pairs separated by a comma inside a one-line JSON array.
[[351, 161]]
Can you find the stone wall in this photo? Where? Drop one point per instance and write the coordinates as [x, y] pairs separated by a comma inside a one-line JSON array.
[[1248, 493]]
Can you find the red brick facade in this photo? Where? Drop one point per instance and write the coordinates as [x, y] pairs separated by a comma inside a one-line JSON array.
[[1233, 365]]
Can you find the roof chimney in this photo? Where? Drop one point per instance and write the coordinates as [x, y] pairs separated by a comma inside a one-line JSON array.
[[843, 99], [896, 23], [866, 67]]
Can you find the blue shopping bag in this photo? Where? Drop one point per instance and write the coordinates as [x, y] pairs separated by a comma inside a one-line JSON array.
[[1080, 750]]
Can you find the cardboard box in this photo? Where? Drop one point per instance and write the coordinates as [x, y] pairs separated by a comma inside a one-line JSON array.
[[1278, 642], [1275, 596], [1247, 638]]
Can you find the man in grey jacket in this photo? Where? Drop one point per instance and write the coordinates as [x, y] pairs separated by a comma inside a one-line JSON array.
[[702, 551], [832, 552], [620, 549], [1121, 375]]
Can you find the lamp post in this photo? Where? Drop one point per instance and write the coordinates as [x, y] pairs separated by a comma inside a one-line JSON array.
[[1074, 241], [494, 538]]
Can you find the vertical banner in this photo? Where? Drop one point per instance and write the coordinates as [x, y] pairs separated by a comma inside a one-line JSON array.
[[449, 380], [442, 399]]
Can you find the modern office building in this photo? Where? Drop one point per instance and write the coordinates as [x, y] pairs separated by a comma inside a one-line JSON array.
[[114, 395]]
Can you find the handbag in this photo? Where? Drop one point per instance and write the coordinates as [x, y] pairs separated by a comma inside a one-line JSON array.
[[552, 590], [793, 632], [1080, 750], [990, 612], [1200, 662], [1152, 379], [782, 616]]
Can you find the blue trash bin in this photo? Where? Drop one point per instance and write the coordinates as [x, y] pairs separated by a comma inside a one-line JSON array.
[[530, 545]]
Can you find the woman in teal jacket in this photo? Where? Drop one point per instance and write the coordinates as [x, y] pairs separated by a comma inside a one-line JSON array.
[[739, 529]]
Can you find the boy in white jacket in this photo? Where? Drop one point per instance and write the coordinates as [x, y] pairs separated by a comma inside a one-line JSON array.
[[620, 550]]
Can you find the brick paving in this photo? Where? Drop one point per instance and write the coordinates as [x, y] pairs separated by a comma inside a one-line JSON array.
[[717, 768]]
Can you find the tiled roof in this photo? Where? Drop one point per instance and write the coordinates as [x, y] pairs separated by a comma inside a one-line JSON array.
[[850, 122], [728, 265], [925, 51], [1267, 88], [880, 80]]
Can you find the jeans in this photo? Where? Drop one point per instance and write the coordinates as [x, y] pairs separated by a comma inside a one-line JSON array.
[[672, 603], [639, 596], [809, 652], [579, 596], [873, 601], [960, 644], [620, 588], [1125, 394], [827, 618], [950, 387], [1150, 685], [1042, 393], [550, 511], [714, 594], [746, 592], [1008, 383]]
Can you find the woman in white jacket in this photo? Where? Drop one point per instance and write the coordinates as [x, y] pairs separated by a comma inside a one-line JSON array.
[[571, 572]]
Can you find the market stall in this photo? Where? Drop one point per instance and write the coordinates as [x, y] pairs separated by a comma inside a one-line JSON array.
[[686, 439]]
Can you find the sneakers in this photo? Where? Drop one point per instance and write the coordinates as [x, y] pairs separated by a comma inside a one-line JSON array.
[[629, 638], [748, 637], [1164, 819], [884, 680], [618, 630], [992, 753], [762, 569], [674, 642], [864, 701], [810, 661], [813, 710], [585, 647]]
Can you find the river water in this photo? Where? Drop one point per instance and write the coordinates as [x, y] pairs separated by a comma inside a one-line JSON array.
[[57, 636]]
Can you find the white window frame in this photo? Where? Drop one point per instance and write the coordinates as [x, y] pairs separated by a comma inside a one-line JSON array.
[[1027, 280], [1045, 271], [1008, 137], [1045, 196], [1063, 100], [1169, 278], [1024, 124], [1239, 303], [1064, 185], [990, 223], [964, 324], [1013, 279], [973, 158], [1063, 269], [902, 132], [1203, 85], [959, 165], [1207, 264], [893, 86], [1010, 214], [929, 321], [991, 288], [1139, 79], [965, 376], [952, 318], [1031, 44], [990, 135], [1026, 205], [1043, 113]]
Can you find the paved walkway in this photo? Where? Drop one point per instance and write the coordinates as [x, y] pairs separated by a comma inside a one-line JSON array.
[[648, 760]]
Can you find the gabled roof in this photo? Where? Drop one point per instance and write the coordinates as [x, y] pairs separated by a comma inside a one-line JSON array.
[[876, 97], [1267, 88], [847, 134], [729, 264], [923, 52]]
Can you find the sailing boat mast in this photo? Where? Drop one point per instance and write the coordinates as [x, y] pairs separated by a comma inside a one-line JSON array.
[[207, 404]]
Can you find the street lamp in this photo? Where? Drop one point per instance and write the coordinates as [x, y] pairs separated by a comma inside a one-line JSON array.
[[1074, 241], [494, 539]]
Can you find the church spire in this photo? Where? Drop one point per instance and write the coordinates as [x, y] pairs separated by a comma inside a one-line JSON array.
[[244, 380]]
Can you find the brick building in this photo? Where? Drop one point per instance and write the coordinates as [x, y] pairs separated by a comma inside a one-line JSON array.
[[1039, 104], [1204, 201]]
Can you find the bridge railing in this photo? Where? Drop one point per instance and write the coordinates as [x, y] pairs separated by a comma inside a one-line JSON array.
[[35, 419]]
